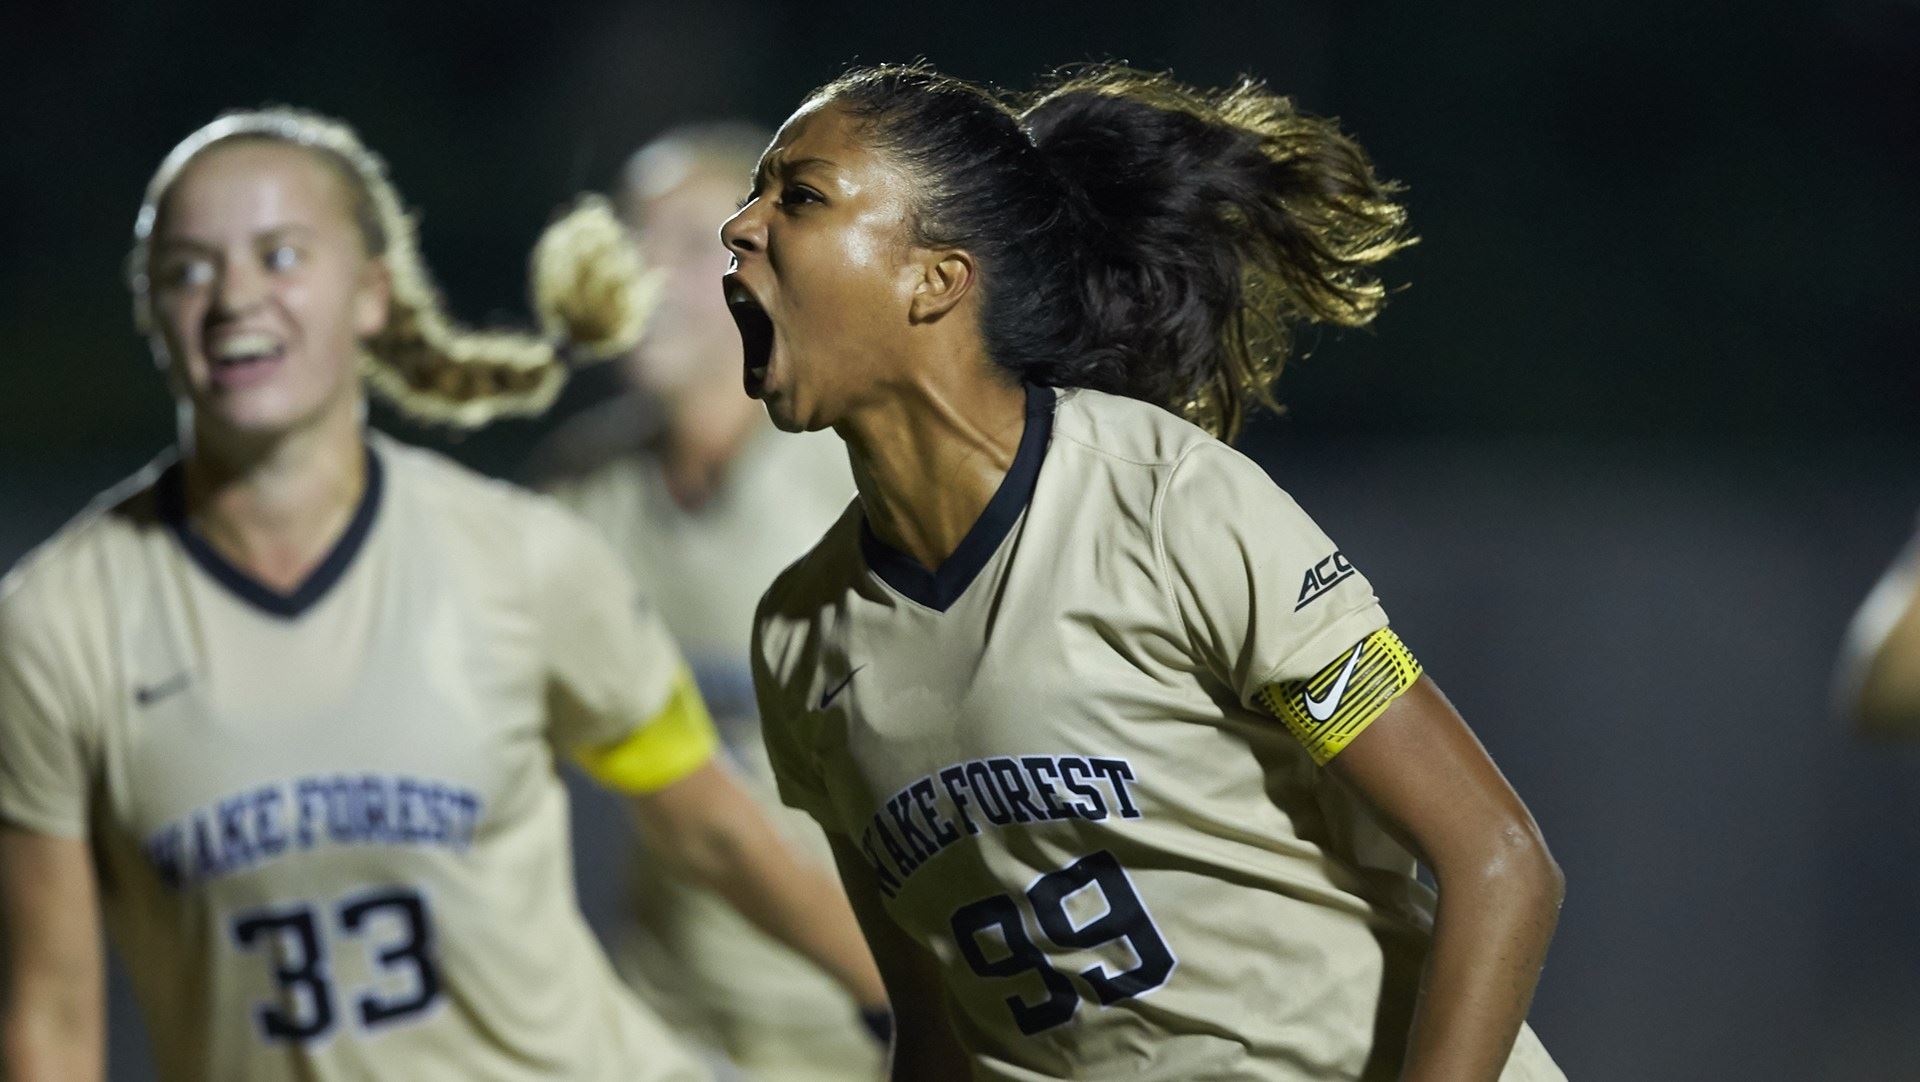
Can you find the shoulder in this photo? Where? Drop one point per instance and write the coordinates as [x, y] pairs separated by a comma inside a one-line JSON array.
[[1123, 430], [453, 495], [1149, 456], [70, 564], [491, 522], [1212, 517], [1127, 430], [1216, 500], [817, 580], [1143, 451], [56, 601]]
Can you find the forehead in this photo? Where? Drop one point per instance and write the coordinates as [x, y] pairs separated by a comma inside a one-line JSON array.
[[254, 185], [821, 129]]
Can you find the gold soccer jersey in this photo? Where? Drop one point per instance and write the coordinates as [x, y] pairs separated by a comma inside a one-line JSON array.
[[1057, 755], [331, 837], [690, 954]]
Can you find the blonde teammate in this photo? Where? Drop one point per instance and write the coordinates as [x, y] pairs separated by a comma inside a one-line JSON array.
[[283, 709], [1124, 770], [705, 503]]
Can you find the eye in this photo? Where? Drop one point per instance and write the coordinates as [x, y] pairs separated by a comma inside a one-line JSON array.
[[186, 273], [741, 203], [794, 195], [282, 257]]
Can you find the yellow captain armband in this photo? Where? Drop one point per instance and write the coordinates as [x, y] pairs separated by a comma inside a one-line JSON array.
[[674, 743], [1327, 710]]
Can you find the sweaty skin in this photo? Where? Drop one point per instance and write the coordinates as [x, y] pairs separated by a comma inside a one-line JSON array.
[[879, 339], [873, 336]]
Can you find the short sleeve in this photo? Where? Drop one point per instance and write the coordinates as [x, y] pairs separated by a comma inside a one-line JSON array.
[[1265, 597], [783, 726], [45, 777], [611, 666]]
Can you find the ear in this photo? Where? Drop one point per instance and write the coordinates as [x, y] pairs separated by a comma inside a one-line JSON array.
[[372, 298], [946, 278]]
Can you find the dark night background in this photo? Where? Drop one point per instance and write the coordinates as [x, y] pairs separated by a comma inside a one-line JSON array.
[[1637, 435]]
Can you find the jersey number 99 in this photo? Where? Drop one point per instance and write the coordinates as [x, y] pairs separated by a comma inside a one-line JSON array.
[[1125, 919], [305, 1010]]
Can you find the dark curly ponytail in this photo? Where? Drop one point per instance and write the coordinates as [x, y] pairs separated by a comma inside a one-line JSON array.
[[1136, 235]]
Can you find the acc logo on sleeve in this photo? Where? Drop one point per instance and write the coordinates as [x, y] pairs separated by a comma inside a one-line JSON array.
[[1322, 577], [1327, 710]]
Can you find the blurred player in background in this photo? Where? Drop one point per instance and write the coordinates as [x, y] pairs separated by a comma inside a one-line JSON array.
[[283, 709], [1121, 763], [706, 503], [1880, 663]]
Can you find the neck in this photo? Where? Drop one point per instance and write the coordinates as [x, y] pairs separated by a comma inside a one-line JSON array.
[[707, 427], [927, 461], [275, 506]]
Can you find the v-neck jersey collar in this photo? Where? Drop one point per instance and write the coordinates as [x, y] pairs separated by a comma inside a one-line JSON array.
[[170, 497], [939, 589]]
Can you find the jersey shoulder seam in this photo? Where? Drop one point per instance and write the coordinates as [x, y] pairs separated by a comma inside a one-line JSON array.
[[1105, 452], [1160, 541], [79, 537]]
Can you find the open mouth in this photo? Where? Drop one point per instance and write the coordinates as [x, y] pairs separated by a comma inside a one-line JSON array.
[[237, 359], [756, 333]]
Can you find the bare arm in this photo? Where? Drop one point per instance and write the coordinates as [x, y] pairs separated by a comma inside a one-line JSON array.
[[924, 1047], [1880, 663], [710, 832], [1434, 786], [54, 1024]]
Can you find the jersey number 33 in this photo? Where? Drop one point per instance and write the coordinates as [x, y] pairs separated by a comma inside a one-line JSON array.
[[293, 937]]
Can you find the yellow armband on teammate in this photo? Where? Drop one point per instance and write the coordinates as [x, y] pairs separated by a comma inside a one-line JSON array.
[[672, 744], [1327, 710]]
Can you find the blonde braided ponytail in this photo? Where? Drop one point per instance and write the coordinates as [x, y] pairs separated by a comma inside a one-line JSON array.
[[589, 289]]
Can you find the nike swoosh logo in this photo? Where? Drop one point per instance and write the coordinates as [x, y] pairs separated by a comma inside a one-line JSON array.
[[1322, 709], [833, 693], [153, 693]]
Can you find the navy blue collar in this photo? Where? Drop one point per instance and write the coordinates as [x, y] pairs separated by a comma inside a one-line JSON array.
[[940, 589], [170, 496]]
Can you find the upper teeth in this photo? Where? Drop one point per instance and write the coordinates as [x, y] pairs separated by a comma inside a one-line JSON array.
[[241, 346], [739, 294]]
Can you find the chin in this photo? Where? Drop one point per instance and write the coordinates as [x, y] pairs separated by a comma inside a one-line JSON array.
[[249, 418], [790, 416], [780, 412], [257, 416]]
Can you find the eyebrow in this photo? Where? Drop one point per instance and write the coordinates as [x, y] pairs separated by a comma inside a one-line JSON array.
[[272, 233], [769, 166]]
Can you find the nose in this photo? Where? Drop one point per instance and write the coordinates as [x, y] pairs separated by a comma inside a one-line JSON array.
[[746, 231], [238, 286]]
